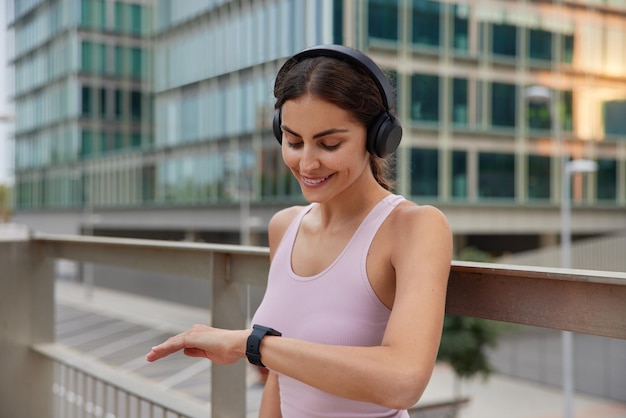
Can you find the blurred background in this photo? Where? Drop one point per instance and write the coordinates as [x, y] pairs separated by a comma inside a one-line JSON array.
[[152, 119]]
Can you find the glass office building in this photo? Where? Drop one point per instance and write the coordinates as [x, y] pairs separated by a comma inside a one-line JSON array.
[[154, 117], [82, 101]]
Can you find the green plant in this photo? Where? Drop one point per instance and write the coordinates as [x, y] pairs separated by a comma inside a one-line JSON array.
[[464, 340]]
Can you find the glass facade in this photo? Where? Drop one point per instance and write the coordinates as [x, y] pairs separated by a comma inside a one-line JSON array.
[[131, 103]]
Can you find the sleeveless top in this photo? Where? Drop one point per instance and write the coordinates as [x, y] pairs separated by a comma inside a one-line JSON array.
[[337, 306]]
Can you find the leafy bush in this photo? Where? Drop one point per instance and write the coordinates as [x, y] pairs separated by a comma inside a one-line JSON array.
[[464, 340]]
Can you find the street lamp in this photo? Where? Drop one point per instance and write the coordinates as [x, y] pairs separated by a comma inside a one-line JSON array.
[[542, 94], [569, 168]]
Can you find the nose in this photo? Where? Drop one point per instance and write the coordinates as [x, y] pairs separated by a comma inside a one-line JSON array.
[[309, 160]]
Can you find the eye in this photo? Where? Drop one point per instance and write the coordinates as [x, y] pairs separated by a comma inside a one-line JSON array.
[[294, 144], [330, 147]]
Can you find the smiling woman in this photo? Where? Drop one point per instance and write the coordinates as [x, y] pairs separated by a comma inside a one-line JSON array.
[[351, 320]]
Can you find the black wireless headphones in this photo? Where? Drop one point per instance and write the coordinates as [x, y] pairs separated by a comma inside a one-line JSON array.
[[385, 133]]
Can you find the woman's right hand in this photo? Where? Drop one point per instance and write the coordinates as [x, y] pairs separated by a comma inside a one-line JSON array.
[[218, 345]]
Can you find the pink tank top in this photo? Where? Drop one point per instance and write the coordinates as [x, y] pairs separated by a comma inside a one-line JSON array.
[[337, 306]]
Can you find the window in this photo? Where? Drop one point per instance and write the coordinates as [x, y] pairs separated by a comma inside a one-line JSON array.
[[93, 14], [424, 172], [459, 175], [118, 106], [120, 16], [504, 40], [614, 120], [567, 110], [136, 62], [93, 57], [135, 140], [136, 108], [88, 146], [189, 115], [460, 36], [496, 175], [540, 47], [136, 19], [425, 97], [426, 22], [538, 177], [103, 102], [567, 54], [539, 116], [606, 179], [86, 55], [383, 19], [459, 101], [338, 21], [86, 101], [503, 105], [119, 60]]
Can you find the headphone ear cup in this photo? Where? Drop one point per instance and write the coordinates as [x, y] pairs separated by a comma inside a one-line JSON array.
[[383, 136], [278, 133]]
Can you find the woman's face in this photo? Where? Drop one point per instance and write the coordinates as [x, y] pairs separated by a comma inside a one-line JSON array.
[[324, 146]]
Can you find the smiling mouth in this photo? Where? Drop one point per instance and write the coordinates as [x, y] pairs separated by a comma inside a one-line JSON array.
[[314, 182]]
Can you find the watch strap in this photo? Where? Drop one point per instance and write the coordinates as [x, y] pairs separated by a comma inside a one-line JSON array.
[[253, 343]]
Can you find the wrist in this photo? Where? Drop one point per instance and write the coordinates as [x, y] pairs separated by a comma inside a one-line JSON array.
[[254, 340]]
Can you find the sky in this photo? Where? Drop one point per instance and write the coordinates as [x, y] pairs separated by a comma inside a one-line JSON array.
[[6, 108]]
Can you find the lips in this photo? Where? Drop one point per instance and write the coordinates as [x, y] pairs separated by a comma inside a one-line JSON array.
[[314, 181]]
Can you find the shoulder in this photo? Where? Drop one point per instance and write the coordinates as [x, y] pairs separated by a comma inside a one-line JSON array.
[[425, 228], [279, 223], [409, 215]]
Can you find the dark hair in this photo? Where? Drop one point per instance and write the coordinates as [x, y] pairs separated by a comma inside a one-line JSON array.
[[341, 84]]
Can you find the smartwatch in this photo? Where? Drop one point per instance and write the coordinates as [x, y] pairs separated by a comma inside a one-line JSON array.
[[254, 342]]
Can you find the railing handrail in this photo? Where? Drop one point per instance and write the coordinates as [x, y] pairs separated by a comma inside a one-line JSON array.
[[517, 294]]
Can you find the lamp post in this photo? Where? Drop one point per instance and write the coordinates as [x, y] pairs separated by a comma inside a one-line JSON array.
[[542, 94], [569, 168]]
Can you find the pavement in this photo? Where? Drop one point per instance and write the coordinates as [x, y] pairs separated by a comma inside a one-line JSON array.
[[119, 328]]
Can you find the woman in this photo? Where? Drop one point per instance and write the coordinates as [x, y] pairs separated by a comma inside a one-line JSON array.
[[358, 277]]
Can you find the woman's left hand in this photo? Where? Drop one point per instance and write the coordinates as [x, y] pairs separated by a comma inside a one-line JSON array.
[[218, 345]]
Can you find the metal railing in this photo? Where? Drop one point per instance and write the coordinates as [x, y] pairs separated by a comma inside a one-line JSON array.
[[591, 302]]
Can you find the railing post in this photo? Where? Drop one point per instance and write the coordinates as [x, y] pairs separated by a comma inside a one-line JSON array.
[[228, 383], [26, 318]]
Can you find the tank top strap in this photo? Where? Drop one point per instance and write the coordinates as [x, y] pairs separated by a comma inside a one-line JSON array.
[[375, 218]]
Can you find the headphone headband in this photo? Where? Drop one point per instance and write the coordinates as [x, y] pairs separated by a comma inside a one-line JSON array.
[[354, 57]]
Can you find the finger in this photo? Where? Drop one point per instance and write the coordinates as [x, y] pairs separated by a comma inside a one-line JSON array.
[[166, 348]]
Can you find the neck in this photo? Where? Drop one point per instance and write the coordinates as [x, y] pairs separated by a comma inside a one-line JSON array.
[[352, 205]]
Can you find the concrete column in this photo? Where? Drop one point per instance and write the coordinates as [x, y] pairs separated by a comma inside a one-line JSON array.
[[226, 312], [26, 318]]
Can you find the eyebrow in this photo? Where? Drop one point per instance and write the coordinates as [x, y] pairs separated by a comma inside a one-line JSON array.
[[317, 135]]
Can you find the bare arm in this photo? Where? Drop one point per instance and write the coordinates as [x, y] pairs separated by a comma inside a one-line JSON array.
[[270, 402], [393, 374]]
